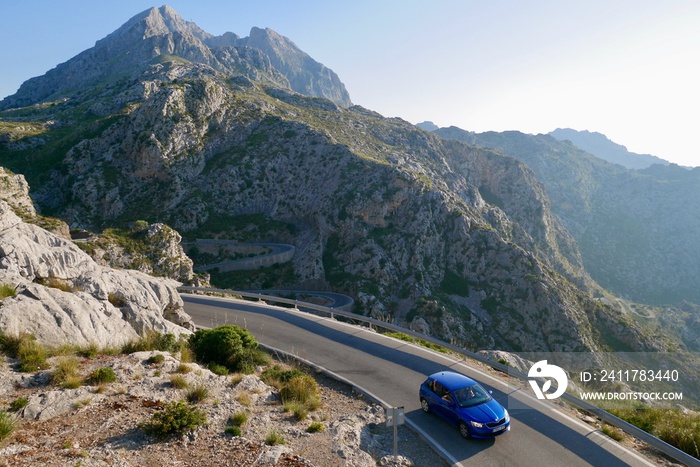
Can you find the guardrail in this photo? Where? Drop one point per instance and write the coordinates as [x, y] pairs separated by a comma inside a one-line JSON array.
[[607, 417]]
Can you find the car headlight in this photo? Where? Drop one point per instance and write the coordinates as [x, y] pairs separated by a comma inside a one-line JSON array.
[[507, 417], [477, 425]]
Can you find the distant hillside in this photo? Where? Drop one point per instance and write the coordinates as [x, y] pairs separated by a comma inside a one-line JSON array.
[[637, 230], [600, 146]]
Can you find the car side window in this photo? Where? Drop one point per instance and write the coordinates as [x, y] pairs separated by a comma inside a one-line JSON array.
[[442, 392]]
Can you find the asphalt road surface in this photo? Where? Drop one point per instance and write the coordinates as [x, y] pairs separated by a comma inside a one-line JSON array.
[[541, 435]]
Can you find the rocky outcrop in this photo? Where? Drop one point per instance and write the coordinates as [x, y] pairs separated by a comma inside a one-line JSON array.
[[62, 295], [14, 190], [153, 249]]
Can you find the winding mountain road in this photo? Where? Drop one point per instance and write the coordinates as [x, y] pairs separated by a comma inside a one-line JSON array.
[[541, 434]]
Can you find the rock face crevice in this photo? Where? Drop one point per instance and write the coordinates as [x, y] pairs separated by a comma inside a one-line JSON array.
[[63, 296]]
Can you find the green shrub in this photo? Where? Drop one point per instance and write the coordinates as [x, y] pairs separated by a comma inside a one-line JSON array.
[[10, 344], [66, 373], [18, 404], [101, 376], [178, 382], [301, 388], [32, 355], [174, 418], [6, 291], [274, 438], [218, 369], [155, 359], [315, 427], [611, 431], [150, 341], [253, 358], [233, 430], [275, 376], [298, 409], [7, 425], [197, 394], [228, 345], [89, 351], [183, 369], [238, 418]]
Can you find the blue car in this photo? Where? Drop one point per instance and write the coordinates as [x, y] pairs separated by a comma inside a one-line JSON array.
[[463, 402]]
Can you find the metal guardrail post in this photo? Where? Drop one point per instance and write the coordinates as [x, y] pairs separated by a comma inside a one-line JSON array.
[[607, 417]]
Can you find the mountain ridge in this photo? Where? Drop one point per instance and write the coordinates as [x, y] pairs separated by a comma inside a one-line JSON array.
[[635, 228], [601, 146], [450, 238], [161, 32]]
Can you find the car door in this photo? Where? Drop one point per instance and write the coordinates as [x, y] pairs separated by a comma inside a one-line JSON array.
[[443, 402]]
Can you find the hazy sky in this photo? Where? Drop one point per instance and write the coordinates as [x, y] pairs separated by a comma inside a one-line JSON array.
[[628, 69]]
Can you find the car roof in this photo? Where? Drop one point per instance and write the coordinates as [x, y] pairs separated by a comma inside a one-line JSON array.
[[452, 380]]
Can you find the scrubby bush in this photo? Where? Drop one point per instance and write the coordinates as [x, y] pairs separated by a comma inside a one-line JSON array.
[[155, 359], [238, 418], [18, 404], [152, 341], [197, 394], [32, 355], [10, 344], [298, 391], [302, 388], [315, 427], [7, 425], [274, 438], [276, 376], [6, 291], [233, 430], [178, 382], [66, 373], [101, 376], [175, 418], [673, 426], [218, 369], [229, 345]]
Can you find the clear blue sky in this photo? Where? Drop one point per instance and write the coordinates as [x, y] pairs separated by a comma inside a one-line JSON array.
[[629, 68]]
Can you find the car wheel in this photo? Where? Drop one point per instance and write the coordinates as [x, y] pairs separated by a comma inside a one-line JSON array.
[[464, 430], [424, 405]]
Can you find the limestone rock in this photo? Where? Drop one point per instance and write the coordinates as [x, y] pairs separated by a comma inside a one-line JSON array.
[[14, 190], [64, 296]]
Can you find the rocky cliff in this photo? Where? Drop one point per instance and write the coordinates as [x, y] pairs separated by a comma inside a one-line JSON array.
[[455, 240], [62, 296], [636, 229]]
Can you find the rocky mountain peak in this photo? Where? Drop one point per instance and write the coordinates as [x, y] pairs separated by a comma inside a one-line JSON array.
[[155, 22], [160, 34], [302, 71]]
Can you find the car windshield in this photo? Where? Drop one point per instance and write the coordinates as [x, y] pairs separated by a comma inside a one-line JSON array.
[[471, 396]]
